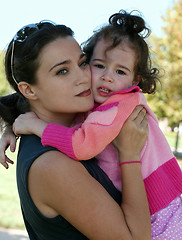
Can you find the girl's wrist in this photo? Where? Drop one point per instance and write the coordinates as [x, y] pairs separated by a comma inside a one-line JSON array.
[[40, 128]]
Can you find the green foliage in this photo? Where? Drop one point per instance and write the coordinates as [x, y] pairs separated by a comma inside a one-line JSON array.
[[168, 55], [4, 85]]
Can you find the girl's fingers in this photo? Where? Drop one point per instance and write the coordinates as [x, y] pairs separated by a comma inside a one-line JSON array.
[[9, 160], [6, 161], [2, 156], [5, 165], [12, 144]]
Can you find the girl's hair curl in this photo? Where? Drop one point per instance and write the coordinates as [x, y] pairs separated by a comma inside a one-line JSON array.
[[132, 24]]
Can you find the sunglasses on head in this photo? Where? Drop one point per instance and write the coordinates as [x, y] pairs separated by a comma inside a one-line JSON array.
[[22, 35]]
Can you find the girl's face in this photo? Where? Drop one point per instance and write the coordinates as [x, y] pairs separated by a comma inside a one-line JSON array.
[[64, 80], [112, 70]]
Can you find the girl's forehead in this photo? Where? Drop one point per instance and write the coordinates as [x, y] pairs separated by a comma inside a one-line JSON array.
[[106, 46]]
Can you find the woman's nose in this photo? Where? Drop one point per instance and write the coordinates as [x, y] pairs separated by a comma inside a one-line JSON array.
[[84, 76]]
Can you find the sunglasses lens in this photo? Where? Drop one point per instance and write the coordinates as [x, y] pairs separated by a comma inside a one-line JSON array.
[[24, 32]]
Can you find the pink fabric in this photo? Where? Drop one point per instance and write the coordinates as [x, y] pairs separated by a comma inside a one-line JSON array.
[[101, 127], [156, 150], [108, 161], [159, 167], [163, 185], [167, 224], [54, 136]]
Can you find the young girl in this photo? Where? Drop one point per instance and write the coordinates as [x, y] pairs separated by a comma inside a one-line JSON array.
[[121, 68]]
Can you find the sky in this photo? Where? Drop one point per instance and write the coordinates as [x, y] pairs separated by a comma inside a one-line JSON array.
[[81, 15]]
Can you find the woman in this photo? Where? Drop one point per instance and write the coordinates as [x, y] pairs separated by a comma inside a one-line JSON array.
[[47, 69]]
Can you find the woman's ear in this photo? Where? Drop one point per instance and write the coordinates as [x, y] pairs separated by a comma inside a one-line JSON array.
[[137, 80], [27, 90]]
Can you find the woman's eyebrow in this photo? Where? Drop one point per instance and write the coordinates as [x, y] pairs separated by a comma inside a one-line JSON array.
[[97, 59], [60, 63], [65, 62]]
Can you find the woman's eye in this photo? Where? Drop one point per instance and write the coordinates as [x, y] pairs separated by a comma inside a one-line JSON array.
[[62, 72], [99, 66], [83, 64], [121, 72]]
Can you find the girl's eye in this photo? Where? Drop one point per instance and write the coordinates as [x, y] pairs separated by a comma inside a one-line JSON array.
[[121, 72], [62, 72]]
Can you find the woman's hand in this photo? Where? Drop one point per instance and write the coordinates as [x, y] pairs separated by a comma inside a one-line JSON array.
[[8, 139], [133, 135], [129, 143]]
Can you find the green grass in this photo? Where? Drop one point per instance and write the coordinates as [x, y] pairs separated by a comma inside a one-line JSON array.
[[10, 212], [171, 138]]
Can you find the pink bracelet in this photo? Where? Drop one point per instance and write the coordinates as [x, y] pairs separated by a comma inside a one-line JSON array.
[[122, 163]]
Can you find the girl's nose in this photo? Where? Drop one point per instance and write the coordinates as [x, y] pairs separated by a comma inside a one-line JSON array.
[[107, 77]]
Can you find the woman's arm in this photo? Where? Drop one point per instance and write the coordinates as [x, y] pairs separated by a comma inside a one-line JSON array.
[[134, 132], [63, 186]]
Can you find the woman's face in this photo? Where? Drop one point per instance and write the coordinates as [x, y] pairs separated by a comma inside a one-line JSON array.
[[64, 80]]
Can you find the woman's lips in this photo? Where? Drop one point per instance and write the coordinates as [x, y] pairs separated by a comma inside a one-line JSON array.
[[84, 93]]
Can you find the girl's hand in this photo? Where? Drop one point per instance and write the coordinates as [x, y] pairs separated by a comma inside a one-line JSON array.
[[133, 135], [8, 139], [28, 123]]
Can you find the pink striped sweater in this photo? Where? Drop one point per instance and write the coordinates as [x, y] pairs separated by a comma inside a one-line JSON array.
[[161, 172]]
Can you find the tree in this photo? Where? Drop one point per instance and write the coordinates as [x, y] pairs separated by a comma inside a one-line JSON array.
[[168, 101]]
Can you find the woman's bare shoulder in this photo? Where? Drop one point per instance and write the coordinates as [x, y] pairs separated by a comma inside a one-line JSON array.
[[52, 175], [54, 161]]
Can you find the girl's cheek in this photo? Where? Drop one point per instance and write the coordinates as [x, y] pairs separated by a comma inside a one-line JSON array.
[[93, 75]]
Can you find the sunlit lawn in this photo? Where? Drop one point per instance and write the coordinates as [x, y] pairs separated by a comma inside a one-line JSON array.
[[171, 138], [10, 213]]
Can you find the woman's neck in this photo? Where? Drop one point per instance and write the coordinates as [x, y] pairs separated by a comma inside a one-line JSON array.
[[65, 119]]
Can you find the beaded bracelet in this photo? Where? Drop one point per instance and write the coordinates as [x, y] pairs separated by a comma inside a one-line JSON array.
[[122, 163]]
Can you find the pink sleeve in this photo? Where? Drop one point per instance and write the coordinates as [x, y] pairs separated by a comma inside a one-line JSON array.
[[59, 137], [97, 131]]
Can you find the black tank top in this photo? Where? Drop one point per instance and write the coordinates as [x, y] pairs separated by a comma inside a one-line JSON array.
[[38, 226]]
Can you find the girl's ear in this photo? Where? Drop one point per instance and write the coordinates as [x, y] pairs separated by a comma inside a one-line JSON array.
[[27, 90], [137, 80]]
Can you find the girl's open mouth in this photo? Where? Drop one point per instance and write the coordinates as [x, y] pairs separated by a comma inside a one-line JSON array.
[[104, 92]]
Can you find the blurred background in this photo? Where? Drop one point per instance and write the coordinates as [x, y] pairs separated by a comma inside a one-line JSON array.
[[165, 20]]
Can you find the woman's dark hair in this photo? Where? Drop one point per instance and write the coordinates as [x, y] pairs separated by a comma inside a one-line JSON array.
[[22, 63], [126, 27]]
